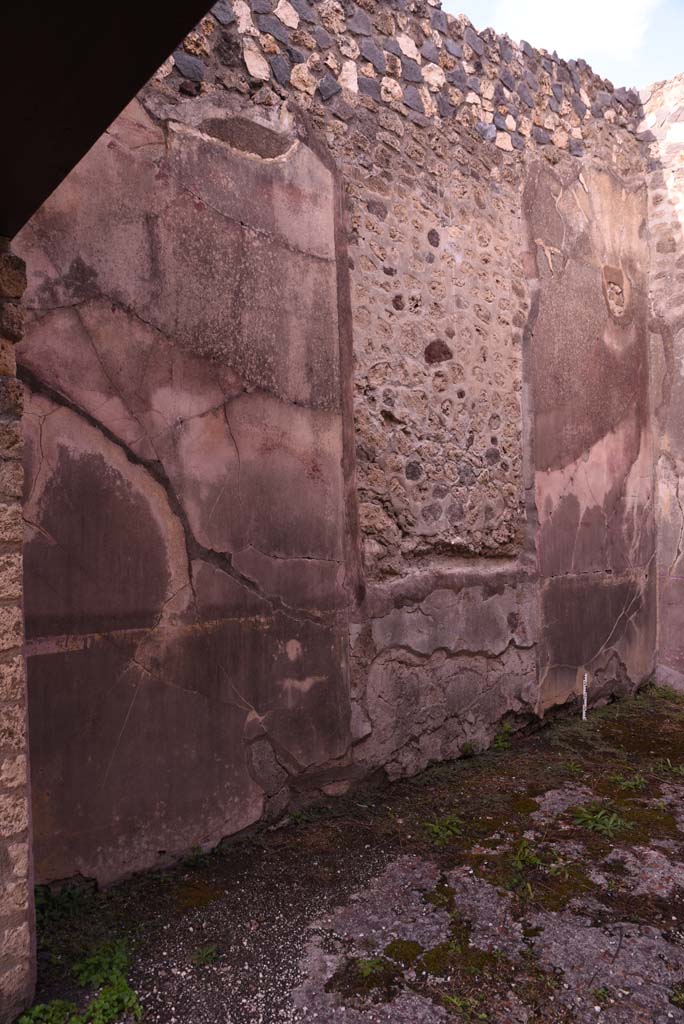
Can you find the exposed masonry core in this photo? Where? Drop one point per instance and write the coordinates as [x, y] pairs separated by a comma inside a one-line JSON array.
[[346, 409]]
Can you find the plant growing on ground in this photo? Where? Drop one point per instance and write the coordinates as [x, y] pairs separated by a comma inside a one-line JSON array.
[[466, 1005], [666, 765], [601, 996], [58, 905], [204, 955], [367, 968], [105, 970], [524, 857], [502, 740], [442, 830], [599, 819], [635, 783], [676, 996], [56, 1012]]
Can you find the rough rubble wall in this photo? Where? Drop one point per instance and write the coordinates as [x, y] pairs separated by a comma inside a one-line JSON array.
[[16, 882], [662, 131], [210, 627], [439, 301], [185, 577]]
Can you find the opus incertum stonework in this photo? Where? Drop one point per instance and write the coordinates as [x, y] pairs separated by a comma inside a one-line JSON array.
[[352, 373]]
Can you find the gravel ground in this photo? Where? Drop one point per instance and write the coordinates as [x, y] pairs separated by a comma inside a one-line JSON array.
[[541, 883]]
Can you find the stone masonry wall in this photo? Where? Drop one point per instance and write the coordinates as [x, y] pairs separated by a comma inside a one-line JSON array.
[[662, 131], [16, 889], [405, 95], [261, 565]]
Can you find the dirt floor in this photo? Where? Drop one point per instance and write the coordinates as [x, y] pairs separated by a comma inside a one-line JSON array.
[[541, 882]]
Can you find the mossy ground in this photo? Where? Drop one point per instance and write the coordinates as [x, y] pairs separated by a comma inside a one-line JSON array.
[[480, 812]]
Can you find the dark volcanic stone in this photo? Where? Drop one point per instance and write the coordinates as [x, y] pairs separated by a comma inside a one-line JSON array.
[[304, 10], [433, 237], [445, 108], [457, 77], [392, 46], [486, 131], [473, 84], [578, 106], [500, 122], [517, 140], [328, 86], [466, 473], [323, 38], [525, 95], [471, 37], [281, 68], [454, 48], [359, 23], [430, 51], [410, 70], [372, 52], [262, 6], [413, 100], [576, 147], [377, 208], [437, 352], [440, 22], [530, 80], [297, 56], [369, 87], [189, 67], [507, 79], [540, 136], [272, 26], [223, 12]]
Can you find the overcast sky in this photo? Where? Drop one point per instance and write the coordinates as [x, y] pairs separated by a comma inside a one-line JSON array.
[[631, 42]]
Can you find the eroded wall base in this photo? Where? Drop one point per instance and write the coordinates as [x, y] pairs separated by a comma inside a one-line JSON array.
[[17, 961]]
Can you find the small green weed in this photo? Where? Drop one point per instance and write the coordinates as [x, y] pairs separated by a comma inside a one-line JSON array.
[[666, 766], [443, 830], [601, 996], [502, 740], [204, 955], [525, 857], [57, 905], [667, 693], [56, 1012], [572, 767], [372, 966], [599, 819], [465, 1005], [105, 971], [676, 996], [635, 783], [105, 962]]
